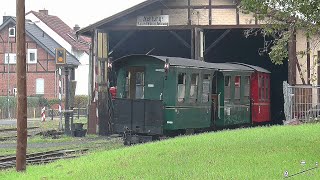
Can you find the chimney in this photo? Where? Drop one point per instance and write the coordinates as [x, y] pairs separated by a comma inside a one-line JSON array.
[[45, 12], [5, 18], [76, 27]]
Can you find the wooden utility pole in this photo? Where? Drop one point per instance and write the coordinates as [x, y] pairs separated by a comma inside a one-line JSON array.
[[22, 88], [292, 64]]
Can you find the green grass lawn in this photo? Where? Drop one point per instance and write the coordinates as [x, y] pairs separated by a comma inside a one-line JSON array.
[[257, 153]]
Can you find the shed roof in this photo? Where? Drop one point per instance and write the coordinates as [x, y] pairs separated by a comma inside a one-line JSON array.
[[87, 30]]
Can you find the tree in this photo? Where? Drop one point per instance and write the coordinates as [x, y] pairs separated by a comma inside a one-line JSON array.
[[283, 18]]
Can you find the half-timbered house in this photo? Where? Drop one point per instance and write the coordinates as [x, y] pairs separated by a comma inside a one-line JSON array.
[[42, 75]]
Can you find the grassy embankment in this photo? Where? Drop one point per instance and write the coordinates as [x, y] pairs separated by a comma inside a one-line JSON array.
[[259, 153]]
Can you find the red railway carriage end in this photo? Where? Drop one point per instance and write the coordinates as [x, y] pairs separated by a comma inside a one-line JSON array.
[[260, 96]]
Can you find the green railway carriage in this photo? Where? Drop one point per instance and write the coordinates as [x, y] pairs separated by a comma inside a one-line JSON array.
[[233, 95], [159, 96]]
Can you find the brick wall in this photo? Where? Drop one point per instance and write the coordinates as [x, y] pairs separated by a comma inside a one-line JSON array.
[[45, 68]]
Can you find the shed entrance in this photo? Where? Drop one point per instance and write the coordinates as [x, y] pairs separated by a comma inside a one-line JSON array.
[[219, 46]]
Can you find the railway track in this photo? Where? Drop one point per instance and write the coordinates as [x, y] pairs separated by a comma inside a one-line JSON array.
[[41, 158], [15, 129]]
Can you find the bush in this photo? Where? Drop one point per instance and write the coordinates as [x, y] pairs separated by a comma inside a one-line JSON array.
[[53, 102], [81, 101], [32, 102]]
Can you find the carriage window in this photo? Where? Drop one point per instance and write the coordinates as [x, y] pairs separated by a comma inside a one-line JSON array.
[[205, 88], [261, 88], [139, 85], [181, 87], [194, 87], [127, 85], [237, 84], [227, 87], [247, 86], [267, 88]]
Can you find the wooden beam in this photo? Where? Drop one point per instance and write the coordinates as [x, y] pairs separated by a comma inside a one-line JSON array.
[[189, 12], [183, 27], [126, 37], [185, 43], [292, 65], [210, 12], [224, 34], [192, 44], [237, 16], [308, 61], [318, 70], [203, 7]]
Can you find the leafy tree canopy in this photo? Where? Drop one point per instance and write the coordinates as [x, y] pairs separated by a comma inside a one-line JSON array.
[[283, 18]]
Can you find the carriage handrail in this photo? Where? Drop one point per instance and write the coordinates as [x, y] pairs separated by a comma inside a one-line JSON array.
[[219, 105]]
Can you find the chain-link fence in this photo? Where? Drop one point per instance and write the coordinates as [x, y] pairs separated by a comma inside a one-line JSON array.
[[302, 102]]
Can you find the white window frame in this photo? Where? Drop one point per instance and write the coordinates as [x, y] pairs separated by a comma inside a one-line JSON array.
[[42, 88], [12, 58], [14, 32], [35, 56]]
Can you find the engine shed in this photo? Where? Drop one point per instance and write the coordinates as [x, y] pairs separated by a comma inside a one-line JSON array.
[[205, 30]]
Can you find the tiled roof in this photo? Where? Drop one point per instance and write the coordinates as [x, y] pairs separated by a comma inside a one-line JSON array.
[[50, 44], [42, 39], [61, 28]]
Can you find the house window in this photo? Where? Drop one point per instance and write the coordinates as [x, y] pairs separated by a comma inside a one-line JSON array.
[[205, 88], [194, 88], [181, 87], [32, 56], [12, 32], [11, 58], [40, 86]]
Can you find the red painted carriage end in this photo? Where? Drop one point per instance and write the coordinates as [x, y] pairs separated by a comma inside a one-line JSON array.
[[260, 97]]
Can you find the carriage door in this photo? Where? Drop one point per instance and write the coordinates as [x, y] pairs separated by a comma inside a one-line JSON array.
[[135, 83], [214, 97]]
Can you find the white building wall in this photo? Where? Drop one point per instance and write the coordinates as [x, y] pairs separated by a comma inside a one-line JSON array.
[[82, 73]]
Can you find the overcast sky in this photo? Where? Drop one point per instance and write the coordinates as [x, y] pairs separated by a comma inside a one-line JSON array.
[[82, 12]]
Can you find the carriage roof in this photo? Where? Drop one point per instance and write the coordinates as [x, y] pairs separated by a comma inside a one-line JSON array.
[[256, 68], [184, 62]]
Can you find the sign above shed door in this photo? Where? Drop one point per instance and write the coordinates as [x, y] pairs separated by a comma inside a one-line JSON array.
[[161, 20]]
